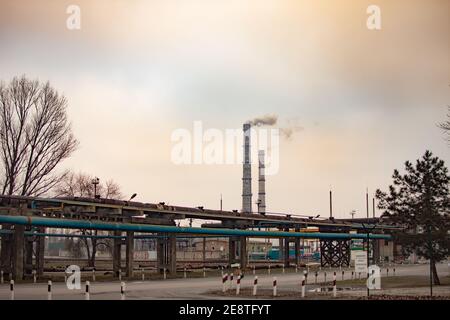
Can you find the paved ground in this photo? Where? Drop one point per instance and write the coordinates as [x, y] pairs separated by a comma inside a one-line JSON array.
[[200, 288]]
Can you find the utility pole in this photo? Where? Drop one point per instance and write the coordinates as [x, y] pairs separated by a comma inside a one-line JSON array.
[[367, 202], [373, 207], [331, 204]]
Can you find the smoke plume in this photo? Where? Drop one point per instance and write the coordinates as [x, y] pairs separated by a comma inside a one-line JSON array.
[[271, 120], [268, 120]]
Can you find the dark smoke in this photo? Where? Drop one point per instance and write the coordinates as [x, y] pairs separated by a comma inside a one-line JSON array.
[[267, 120]]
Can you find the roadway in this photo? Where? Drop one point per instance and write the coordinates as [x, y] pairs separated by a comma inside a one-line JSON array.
[[194, 288]]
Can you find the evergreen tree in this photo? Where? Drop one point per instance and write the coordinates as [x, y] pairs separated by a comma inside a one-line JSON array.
[[419, 201]]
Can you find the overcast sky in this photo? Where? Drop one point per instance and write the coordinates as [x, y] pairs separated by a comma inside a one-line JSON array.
[[366, 101]]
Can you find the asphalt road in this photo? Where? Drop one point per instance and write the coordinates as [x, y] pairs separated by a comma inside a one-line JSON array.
[[195, 288]]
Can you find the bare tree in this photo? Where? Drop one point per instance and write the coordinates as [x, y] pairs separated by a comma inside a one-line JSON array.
[[446, 125], [80, 185], [35, 136]]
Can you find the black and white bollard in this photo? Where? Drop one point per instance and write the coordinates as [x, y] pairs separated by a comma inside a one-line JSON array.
[[334, 285], [165, 274], [268, 270], [254, 270], [143, 274], [283, 268], [87, 292], [303, 286], [34, 276], [11, 289], [315, 277], [231, 280], [49, 290], [122, 291], [238, 285], [296, 268], [305, 275], [93, 275], [224, 282], [255, 285], [185, 274], [274, 286]]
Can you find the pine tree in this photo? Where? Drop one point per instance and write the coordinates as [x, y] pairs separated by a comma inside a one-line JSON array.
[[419, 201]]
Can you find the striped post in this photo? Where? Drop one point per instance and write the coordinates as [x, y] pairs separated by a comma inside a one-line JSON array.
[[185, 274], [143, 274], [231, 280], [224, 282], [305, 275], [87, 292], [274, 286], [49, 290], [93, 275], [34, 276], [122, 291], [334, 285], [11, 288], [255, 285], [238, 285], [303, 285]]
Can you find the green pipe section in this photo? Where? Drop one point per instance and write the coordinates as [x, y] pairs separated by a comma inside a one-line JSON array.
[[83, 224]]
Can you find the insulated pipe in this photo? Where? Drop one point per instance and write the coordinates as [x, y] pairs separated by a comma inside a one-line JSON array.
[[83, 224]]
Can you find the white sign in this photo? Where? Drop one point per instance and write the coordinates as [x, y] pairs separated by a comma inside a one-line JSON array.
[[360, 261]]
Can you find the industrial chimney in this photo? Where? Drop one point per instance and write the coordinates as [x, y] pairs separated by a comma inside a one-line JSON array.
[[247, 172], [261, 183]]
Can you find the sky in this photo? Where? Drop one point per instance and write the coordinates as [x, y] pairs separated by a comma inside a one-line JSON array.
[[363, 101]]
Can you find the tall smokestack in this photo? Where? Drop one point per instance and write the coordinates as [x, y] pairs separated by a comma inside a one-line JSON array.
[[247, 172], [261, 183]]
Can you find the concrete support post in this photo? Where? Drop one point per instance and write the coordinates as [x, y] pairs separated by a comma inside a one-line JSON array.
[[231, 250], [28, 267], [40, 252], [281, 249], [18, 252], [117, 252], [204, 251], [6, 252], [172, 254], [286, 252], [297, 251], [129, 253], [243, 252]]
